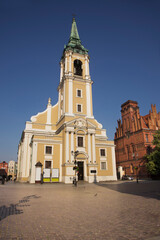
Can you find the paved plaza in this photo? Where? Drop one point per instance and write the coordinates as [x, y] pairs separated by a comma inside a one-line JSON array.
[[110, 210]]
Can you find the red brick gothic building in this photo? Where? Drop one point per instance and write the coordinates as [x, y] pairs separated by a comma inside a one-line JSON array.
[[133, 138], [4, 165]]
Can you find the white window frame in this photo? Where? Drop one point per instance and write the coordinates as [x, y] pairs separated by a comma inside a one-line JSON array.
[[105, 152], [101, 165], [83, 141], [77, 89], [48, 154], [81, 108], [50, 161]]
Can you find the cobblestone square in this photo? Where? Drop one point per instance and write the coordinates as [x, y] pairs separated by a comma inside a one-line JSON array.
[[110, 210]]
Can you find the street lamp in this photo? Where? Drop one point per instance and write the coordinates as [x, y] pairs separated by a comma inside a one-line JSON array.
[[136, 168], [75, 154]]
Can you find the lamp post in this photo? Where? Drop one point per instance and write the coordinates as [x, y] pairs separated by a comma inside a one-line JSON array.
[[136, 168], [75, 154]]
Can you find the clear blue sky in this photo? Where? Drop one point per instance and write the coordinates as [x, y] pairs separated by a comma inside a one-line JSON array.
[[123, 39]]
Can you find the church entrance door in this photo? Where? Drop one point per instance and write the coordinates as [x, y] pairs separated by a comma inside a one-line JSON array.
[[80, 174]]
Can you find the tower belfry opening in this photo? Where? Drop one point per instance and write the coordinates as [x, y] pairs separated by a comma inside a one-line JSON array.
[[78, 67]]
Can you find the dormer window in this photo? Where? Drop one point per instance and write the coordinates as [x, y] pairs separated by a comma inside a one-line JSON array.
[[78, 67]]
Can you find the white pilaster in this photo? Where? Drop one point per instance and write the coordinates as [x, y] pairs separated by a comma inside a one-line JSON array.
[[86, 66], [25, 153], [66, 64], [34, 160], [72, 146], [60, 164], [70, 63], [29, 155], [61, 72], [67, 146], [114, 163], [70, 96], [49, 108], [85, 170], [93, 149], [64, 86], [89, 148], [59, 104], [88, 100]]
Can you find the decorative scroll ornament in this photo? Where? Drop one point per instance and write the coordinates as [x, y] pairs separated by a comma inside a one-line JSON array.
[[80, 123]]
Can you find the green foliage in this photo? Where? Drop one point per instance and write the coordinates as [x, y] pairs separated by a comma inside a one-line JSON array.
[[153, 165]]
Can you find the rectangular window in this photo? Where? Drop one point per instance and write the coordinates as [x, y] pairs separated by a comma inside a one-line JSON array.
[[103, 152], [103, 165], [79, 93], [79, 108], [47, 164], [80, 141], [48, 150]]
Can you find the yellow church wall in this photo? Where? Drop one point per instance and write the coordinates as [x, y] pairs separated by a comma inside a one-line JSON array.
[[93, 121], [109, 161], [38, 126], [56, 155], [41, 156], [66, 95], [75, 141], [98, 131], [42, 137], [86, 144], [63, 120], [91, 101], [41, 118], [79, 100], [88, 172], [40, 153], [109, 170], [54, 114], [80, 132]]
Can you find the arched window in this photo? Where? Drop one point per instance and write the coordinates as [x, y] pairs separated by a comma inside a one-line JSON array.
[[77, 67]]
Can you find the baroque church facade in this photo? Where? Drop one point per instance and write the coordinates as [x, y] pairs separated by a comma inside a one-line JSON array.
[[67, 133]]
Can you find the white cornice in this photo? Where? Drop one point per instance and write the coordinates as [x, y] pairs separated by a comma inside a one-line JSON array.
[[92, 165], [105, 144], [41, 132], [47, 141]]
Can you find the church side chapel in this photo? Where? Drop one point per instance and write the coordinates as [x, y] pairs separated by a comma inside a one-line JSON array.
[[67, 134]]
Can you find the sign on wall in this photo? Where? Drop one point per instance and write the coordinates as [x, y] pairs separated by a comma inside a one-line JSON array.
[[55, 175]]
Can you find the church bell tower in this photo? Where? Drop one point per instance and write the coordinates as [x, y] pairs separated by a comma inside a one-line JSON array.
[[65, 140], [75, 87]]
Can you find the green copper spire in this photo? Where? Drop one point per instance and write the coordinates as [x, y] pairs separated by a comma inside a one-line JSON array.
[[74, 31], [74, 42]]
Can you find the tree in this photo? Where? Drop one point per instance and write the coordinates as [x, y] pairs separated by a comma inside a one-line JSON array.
[[153, 164]]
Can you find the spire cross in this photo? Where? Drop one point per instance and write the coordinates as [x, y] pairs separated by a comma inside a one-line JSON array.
[[73, 15]]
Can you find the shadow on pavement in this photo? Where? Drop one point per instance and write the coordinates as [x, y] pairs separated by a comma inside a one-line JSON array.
[[13, 208], [147, 189]]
